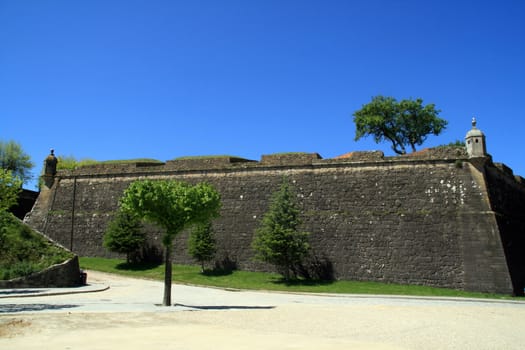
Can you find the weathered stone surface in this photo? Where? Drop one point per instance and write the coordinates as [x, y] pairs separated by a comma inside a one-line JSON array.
[[62, 275], [421, 220]]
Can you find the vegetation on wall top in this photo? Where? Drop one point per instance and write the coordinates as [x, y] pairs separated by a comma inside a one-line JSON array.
[[232, 159], [71, 163]]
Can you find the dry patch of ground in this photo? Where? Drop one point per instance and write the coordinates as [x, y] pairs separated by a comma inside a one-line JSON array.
[[13, 327], [217, 330]]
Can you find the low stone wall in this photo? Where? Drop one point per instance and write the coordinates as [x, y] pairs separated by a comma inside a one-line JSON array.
[[62, 275]]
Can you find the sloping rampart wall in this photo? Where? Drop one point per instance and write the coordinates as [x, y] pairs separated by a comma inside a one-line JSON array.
[[421, 220]]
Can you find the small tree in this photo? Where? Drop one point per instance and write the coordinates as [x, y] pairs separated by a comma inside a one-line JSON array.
[[13, 158], [10, 187], [202, 244], [173, 206], [277, 241], [124, 234], [405, 123]]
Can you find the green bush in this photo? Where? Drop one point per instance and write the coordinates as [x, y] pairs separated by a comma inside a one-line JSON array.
[[125, 235], [202, 244], [278, 241]]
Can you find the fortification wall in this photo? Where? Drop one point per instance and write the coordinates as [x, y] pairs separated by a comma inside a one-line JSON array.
[[507, 197], [425, 219]]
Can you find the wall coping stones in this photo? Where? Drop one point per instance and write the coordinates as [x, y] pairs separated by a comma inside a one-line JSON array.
[[267, 161], [508, 171], [294, 160], [205, 162], [287, 159]]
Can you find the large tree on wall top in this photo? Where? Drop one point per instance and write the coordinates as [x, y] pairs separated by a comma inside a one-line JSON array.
[[174, 206], [404, 123]]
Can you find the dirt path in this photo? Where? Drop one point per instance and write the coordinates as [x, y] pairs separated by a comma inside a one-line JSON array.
[[216, 319]]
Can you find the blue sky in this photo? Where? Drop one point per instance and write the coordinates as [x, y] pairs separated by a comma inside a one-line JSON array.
[[163, 79]]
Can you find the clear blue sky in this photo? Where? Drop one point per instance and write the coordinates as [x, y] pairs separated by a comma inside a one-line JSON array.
[[163, 79]]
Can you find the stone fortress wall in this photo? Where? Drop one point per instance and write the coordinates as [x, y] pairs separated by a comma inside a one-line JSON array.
[[437, 217]]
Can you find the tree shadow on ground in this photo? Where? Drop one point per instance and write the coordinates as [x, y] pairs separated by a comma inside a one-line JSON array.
[[137, 266], [21, 291], [225, 307], [302, 282], [223, 267], [12, 308], [217, 272]]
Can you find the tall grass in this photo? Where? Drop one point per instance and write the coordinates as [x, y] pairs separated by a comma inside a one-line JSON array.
[[23, 251]]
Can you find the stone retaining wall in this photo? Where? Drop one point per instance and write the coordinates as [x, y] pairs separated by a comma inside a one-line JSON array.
[[62, 275]]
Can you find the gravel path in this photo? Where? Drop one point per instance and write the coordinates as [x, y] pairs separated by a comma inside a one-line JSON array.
[[126, 316]]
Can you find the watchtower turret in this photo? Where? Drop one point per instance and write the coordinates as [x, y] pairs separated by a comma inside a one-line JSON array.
[[50, 169], [475, 141]]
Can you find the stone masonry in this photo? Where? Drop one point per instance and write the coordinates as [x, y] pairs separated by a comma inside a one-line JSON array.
[[434, 218]]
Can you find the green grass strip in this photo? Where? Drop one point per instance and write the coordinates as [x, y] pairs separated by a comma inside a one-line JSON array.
[[190, 274]]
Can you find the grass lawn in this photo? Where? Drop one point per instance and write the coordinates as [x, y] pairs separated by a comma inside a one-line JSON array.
[[267, 281]]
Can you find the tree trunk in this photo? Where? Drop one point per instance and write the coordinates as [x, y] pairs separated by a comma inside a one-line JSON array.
[[167, 276]]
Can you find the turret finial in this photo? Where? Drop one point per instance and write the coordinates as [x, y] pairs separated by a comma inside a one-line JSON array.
[[474, 122]]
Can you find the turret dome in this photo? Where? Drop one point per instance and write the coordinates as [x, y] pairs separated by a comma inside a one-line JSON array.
[[475, 141]]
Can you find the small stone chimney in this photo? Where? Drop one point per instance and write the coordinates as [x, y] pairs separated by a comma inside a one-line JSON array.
[[475, 141]]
